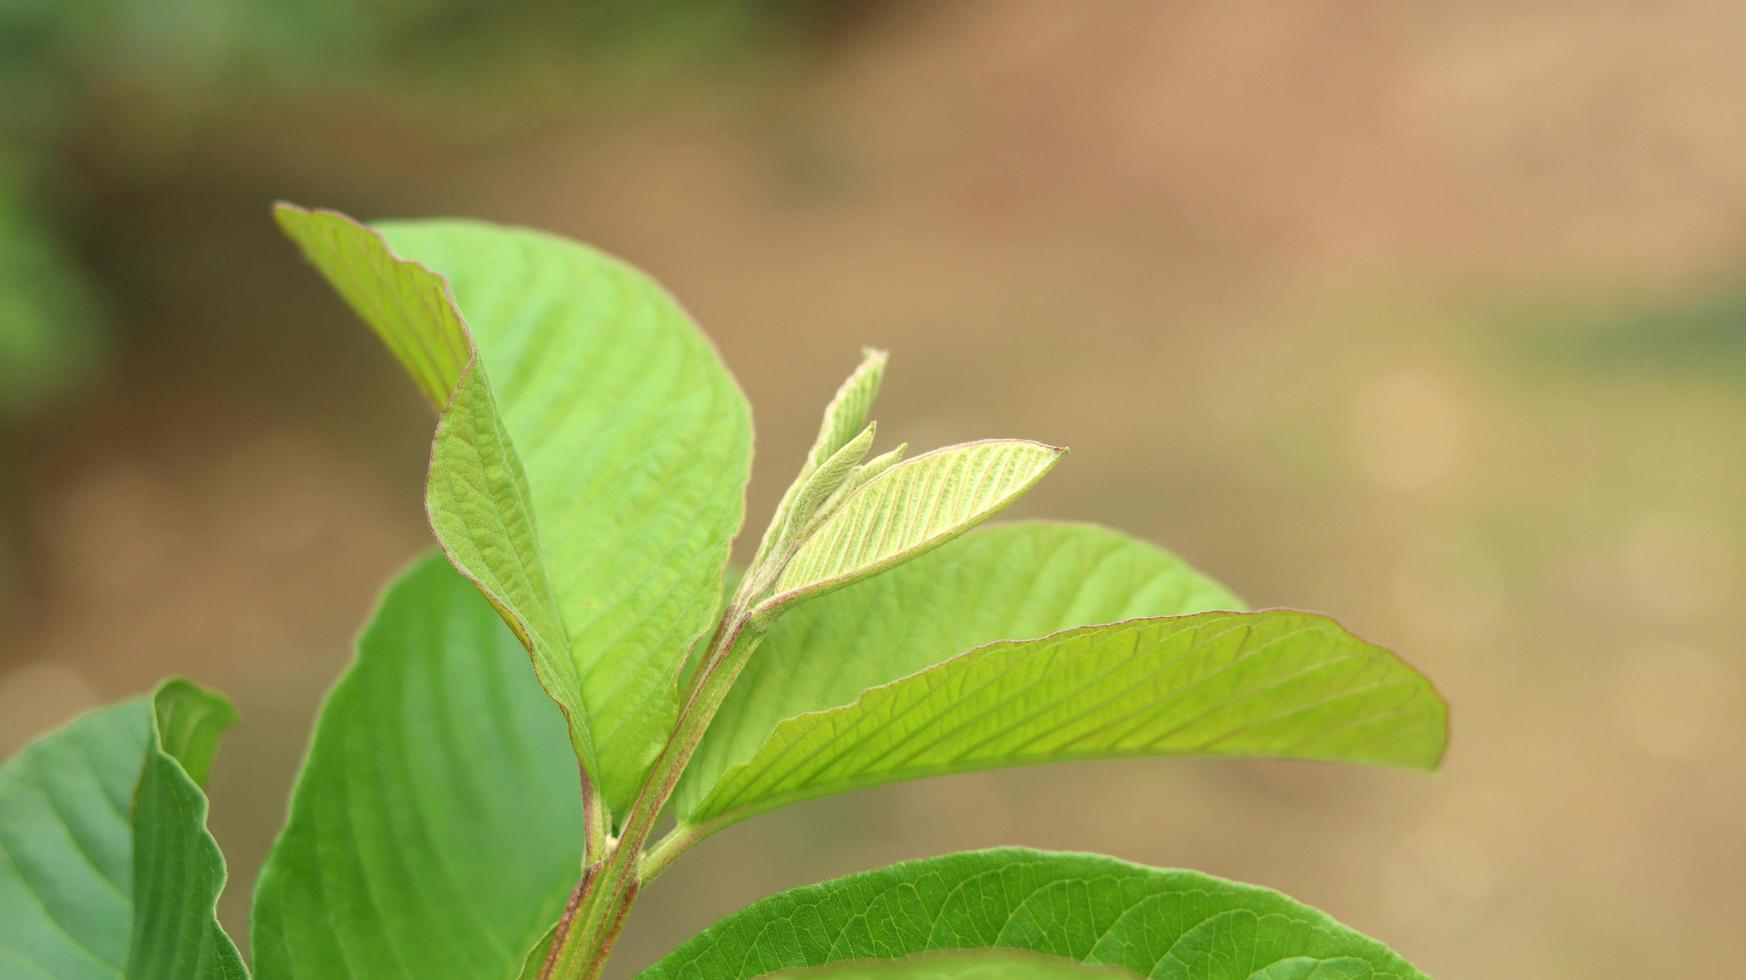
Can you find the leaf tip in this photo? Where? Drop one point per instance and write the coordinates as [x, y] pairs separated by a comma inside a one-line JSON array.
[[220, 708], [287, 215], [1052, 454]]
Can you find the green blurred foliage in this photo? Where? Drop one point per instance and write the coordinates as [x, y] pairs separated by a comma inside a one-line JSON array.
[[118, 86], [1701, 330], [48, 318]]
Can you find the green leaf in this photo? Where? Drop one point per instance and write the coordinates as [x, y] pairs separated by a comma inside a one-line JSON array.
[[535, 960], [1013, 581], [862, 687], [986, 965], [436, 826], [177, 866], [1279, 683], [588, 469], [66, 847], [1172, 925], [406, 303], [101, 811], [910, 509]]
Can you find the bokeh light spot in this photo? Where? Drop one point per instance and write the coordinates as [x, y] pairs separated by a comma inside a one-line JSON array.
[[1406, 430]]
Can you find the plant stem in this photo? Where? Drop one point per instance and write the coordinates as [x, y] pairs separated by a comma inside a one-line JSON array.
[[603, 899], [667, 850], [594, 821]]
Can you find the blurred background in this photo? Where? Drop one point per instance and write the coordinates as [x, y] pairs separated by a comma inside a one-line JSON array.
[[1431, 316]]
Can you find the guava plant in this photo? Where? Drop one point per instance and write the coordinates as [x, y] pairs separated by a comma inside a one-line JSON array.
[[586, 484]]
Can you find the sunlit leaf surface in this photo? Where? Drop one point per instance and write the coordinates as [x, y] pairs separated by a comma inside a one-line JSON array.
[[912, 507], [1278, 683], [1013, 581], [589, 466]]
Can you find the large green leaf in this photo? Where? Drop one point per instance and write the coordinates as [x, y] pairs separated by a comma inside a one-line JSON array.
[[107, 809], [1179, 925], [909, 509], [980, 965], [436, 827], [1014, 581], [1278, 683], [589, 466]]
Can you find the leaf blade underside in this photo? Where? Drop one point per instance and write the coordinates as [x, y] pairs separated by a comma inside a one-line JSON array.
[[1276, 683], [1010, 581], [1165, 924], [910, 509], [435, 829]]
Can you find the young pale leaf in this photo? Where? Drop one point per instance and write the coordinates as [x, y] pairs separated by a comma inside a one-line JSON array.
[[830, 477], [589, 465], [849, 408], [979, 965], [1172, 925], [1012, 581], [857, 479], [910, 509], [102, 811], [876, 466], [843, 417], [436, 826]]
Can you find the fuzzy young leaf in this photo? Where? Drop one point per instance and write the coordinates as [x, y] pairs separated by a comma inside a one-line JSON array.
[[1013, 581], [1167, 924], [589, 466], [435, 828], [876, 466], [829, 478], [106, 866], [860, 477], [981, 965], [849, 409], [846, 415], [910, 509]]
